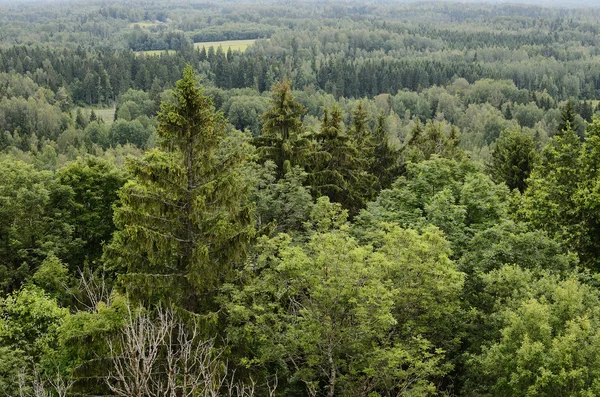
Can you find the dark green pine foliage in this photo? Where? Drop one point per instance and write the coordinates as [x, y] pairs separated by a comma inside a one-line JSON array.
[[183, 220], [563, 196], [513, 158], [361, 135], [548, 202], [508, 112], [95, 184], [282, 140], [80, 121], [586, 110], [386, 165], [567, 118], [434, 139], [221, 69], [362, 138], [336, 170], [586, 237]]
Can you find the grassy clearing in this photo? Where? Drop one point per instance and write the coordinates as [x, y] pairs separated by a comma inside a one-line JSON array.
[[144, 24], [154, 52], [107, 115], [235, 45]]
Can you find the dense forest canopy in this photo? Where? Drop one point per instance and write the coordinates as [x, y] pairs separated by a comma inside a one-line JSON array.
[[333, 198]]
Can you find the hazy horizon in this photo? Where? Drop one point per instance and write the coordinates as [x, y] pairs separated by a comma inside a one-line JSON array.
[[548, 3]]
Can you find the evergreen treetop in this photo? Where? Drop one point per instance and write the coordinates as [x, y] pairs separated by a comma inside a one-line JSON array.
[[183, 221]]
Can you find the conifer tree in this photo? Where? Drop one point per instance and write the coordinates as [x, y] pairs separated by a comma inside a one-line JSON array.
[[433, 139], [183, 220], [567, 118], [360, 133], [221, 69], [386, 162], [586, 110], [513, 158], [586, 237], [508, 112], [282, 128], [202, 55], [548, 201], [80, 120], [336, 168]]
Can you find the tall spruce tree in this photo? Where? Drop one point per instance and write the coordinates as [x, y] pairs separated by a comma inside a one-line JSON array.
[[434, 139], [336, 169], [281, 141], [513, 157], [567, 118], [360, 133], [586, 110], [386, 165], [548, 202], [586, 237], [183, 220]]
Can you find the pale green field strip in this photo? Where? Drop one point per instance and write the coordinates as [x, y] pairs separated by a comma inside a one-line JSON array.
[[235, 45], [107, 115], [144, 24]]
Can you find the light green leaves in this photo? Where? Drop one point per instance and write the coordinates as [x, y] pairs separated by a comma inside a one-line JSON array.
[[341, 316]]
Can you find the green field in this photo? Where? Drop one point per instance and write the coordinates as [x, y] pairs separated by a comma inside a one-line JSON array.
[[154, 52], [235, 45], [107, 115], [144, 24]]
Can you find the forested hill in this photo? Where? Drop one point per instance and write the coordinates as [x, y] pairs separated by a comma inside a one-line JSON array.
[[299, 199]]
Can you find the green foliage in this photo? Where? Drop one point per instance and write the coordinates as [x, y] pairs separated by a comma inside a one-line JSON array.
[[448, 283], [512, 243], [513, 158], [326, 216], [567, 118], [361, 135], [33, 221], [548, 201], [434, 139], [547, 339], [183, 222], [337, 169], [133, 104], [285, 202], [561, 198], [97, 133], [454, 196], [244, 112], [80, 120], [30, 321], [53, 277], [528, 114], [340, 317], [29, 335], [122, 132], [281, 141], [94, 183], [505, 244], [385, 163]]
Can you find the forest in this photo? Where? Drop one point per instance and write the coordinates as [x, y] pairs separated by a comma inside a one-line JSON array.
[[364, 199]]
